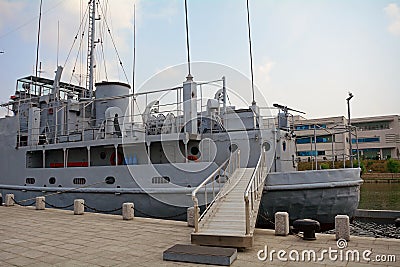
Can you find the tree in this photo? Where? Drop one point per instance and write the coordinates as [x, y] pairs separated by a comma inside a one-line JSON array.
[[393, 166]]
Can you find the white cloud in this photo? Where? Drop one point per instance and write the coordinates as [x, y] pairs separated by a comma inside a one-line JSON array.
[[393, 12], [8, 9], [263, 71]]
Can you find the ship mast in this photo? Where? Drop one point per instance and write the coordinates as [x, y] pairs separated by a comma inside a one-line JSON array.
[[91, 47]]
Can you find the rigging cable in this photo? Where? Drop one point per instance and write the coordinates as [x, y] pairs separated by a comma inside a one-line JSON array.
[[102, 30], [76, 36], [80, 49]]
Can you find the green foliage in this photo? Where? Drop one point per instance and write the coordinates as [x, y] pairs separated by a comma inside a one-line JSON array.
[[324, 166], [362, 166], [393, 166]]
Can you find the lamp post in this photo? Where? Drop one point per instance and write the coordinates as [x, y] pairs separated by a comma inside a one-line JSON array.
[[349, 125]]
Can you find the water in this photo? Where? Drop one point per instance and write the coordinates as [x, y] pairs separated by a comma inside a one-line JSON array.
[[380, 196]]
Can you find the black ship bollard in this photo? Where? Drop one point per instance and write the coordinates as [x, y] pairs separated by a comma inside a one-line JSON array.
[[397, 222], [308, 227]]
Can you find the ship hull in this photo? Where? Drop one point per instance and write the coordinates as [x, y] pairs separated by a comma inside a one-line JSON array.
[[319, 195]]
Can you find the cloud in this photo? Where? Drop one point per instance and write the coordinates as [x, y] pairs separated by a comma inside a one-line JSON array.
[[8, 9], [263, 71], [393, 12]]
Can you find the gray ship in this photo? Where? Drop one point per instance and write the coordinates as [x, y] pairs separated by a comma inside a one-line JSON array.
[[66, 142]]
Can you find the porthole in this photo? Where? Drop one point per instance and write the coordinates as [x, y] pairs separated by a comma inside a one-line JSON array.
[[194, 150], [79, 181], [52, 180], [266, 146], [110, 180], [103, 155], [30, 180], [233, 147]]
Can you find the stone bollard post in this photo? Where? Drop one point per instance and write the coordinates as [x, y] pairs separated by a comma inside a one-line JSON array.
[[282, 223], [190, 217], [9, 200], [79, 206], [128, 211], [342, 227], [40, 203]]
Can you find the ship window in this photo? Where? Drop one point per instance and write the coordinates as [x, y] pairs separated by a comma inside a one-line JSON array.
[[52, 180], [194, 150], [30, 180], [103, 155], [267, 146], [160, 180], [79, 181], [110, 180]]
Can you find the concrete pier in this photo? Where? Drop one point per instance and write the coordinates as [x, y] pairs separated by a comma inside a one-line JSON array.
[[58, 238], [128, 211], [40, 203], [79, 206]]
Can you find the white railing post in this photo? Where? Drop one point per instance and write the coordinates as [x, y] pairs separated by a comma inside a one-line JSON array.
[[247, 210], [196, 215]]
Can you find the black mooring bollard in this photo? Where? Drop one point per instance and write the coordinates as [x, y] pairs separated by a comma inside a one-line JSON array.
[[308, 227], [397, 222]]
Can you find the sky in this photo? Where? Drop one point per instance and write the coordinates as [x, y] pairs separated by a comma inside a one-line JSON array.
[[307, 55]]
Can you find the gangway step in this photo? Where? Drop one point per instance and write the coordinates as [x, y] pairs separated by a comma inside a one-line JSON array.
[[221, 238], [200, 254]]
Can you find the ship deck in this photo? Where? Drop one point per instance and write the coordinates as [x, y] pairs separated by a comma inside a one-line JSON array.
[[58, 238]]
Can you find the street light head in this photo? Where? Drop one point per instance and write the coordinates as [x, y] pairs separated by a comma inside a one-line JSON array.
[[350, 96]]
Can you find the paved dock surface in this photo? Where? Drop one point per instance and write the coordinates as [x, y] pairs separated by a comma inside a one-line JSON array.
[[58, 238]]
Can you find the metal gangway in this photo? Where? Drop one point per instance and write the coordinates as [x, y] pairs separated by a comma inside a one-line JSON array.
[[229, 219]]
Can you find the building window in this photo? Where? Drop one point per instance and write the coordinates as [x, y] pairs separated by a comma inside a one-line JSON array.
[[310, 127], [366, 140], [310, 153], [320, 139], [305, 140], [370, 126], [302, 127]]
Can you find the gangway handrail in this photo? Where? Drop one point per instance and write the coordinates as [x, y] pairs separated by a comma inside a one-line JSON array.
[[231, 164], [253, 193]]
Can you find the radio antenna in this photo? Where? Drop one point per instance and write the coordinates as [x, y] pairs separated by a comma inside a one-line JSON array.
[[189, 77], [37, 46], [134, 62], [251, 54]]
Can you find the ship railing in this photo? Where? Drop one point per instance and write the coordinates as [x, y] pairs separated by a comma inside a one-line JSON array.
[[85, 127], [209, 187], [253, 193]]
